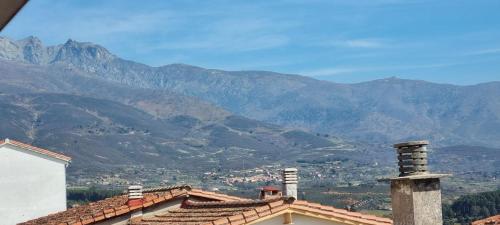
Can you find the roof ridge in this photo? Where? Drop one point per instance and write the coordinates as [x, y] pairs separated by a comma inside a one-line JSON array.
[[167, 188], [36, 149], [246, 202], [214, 195]]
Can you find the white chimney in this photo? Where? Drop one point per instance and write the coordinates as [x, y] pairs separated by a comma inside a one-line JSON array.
[[135, 200], [135, 192], [290, 181]]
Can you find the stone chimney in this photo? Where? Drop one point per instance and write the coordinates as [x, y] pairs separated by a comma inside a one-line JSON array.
[[135, 200], [416, 193], [290, 181]]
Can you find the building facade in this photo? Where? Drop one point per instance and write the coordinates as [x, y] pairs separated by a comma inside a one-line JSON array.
[[32, 182]]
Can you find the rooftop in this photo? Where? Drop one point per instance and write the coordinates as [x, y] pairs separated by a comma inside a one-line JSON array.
[[201, 208], [35, 149], [494, 220]]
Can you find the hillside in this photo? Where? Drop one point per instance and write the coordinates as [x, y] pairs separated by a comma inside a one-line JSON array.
[[101, 134], [104, 124], [119, 117], [384, 111]]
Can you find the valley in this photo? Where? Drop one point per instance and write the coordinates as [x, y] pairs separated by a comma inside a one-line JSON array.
[[124, 122]]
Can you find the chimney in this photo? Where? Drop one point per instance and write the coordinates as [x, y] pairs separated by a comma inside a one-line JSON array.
[[290, 181], [269, 192], [416, 193], [135, 200]]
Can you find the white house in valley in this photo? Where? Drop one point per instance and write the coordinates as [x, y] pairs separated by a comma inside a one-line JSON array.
[[32, 182]]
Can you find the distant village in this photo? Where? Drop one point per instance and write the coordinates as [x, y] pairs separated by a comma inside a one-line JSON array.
[[280, 201]]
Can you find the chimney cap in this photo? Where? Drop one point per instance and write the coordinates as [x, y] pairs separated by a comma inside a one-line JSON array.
[[290, 170], [411, 143], [135, 192], [134, 187]]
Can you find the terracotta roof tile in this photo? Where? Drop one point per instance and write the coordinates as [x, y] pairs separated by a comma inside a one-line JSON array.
[[494, 220], [339, 213], [36, 149], [104, 209], [215, 212], [218, 209]]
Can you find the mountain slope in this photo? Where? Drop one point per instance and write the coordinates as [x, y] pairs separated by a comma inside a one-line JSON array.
[[103, 134], [385, 110], [105, 125]]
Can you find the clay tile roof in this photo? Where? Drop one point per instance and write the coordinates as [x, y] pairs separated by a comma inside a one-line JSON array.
[[209, 209], [36, 149], [494, 220], [109, 208], [216, 212], [329, 211], [213, 195], [247, 211]]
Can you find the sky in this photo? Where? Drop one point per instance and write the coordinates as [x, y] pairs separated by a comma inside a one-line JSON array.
[[346, 41]]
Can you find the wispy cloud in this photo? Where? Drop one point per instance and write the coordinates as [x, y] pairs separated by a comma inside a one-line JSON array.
[[315, 37], [485, 51], [233, 35], [358, 3], [326, 72], [329, 71], [362, 43]]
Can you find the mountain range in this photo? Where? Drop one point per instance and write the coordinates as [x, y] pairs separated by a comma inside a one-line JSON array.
[[104, 124], [384, 111], [92, 104]]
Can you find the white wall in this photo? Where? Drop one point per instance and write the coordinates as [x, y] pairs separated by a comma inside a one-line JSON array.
[[298, 219], [31, 185]]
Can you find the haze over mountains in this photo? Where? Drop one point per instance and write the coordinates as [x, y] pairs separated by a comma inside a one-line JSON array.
[[384, 111], [104, 124]]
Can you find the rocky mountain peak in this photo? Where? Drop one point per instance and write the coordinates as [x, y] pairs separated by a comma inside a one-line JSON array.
[[31, 40], [33, 50], [73, 51], [9, 50]]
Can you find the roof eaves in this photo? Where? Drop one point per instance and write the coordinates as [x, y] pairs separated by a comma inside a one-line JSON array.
[[328, 211], [36, 150]]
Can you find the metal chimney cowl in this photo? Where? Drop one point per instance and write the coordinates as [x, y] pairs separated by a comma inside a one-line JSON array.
[[415, 193]]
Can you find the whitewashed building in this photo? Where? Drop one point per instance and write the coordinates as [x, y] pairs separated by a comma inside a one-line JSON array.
[[32, 182]]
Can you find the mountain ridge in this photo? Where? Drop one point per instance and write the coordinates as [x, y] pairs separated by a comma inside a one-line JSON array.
[[384, 111], [79, 44]]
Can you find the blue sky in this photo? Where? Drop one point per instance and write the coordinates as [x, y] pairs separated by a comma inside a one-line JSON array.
[[338, 40]]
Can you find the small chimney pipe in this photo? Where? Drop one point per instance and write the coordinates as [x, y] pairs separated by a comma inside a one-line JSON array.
[[290, 181], [135, 201], [134, 195]]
